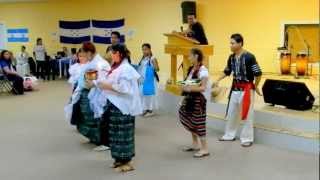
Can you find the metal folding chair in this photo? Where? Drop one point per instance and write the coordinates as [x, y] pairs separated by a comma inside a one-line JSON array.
[[5, 84]]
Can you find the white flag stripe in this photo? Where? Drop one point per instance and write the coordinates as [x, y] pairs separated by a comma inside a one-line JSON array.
[[17, 35], [106, 32], [75, 32]]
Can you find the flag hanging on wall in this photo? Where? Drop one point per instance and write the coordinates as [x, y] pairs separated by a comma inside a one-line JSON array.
[[18, 35], [101, 30], [74, 32]]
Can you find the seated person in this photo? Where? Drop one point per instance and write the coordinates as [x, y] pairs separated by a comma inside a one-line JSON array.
[[65, 59], [10, 73]]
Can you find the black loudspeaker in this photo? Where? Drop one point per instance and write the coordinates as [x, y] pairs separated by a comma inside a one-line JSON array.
[[188, 7], [293, 95]]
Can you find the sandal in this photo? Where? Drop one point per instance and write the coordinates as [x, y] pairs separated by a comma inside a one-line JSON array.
[[115, 165], [221, 139], [201, 155], [190, 149], [124, 168]]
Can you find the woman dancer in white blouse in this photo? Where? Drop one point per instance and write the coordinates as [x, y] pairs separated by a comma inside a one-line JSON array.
[[122, 104]]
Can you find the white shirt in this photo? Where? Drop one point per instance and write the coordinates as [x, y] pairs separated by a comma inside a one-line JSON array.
[[102, 66], [22, 57], [124, 80], [203, 73], [143, 66], [75, 71], [40, 52]]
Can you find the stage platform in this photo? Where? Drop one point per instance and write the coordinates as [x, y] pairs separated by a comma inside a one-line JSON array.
[[275, 125]]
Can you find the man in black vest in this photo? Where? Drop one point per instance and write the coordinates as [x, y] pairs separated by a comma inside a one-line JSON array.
[[246, 78]]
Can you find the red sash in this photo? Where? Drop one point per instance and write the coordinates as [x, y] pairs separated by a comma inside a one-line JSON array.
[[246, 101]]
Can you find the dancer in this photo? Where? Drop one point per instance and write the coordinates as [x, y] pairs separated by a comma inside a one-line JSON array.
[[246, 79], [192, 112], [122, 104]]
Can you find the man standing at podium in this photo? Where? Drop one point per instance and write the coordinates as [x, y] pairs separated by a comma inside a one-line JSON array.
[[246, 77], [196, 30]]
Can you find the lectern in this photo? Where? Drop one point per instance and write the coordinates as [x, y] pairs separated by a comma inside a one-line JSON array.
[[179, 45]]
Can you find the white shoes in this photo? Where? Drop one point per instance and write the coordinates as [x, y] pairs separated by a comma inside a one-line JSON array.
[[101, 148], [149, 114]]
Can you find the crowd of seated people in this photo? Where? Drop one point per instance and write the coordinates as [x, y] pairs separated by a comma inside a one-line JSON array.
[[39, 66]]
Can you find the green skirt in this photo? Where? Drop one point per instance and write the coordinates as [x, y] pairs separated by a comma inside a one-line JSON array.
[[121, 133], [87, 125]]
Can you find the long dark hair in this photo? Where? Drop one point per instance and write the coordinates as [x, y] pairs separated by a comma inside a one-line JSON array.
[[198, 52], [7, 60], [78, 52], [128, 55], [2, 54], [147, 45], [123, 51]]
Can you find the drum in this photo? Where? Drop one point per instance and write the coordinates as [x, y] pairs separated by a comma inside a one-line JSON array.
[[285, 62], [302, 64]]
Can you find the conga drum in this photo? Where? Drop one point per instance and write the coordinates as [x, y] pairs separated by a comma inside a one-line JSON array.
[[302, 64], [285, 62]]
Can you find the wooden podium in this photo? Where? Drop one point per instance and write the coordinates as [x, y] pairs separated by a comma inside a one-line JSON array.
[[181, 45]]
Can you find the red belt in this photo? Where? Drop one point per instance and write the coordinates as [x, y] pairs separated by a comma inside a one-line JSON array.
[[246, 87]]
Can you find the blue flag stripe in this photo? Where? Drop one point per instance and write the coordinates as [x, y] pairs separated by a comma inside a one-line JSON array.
[[17, 31], [18, 39], [106, 40], [108, 24], [74, 24], [74, 40]]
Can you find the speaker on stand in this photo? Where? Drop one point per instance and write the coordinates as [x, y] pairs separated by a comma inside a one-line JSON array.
[[188, 7]]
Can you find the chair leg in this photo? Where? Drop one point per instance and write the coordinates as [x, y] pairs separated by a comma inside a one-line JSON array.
[[5, 87]]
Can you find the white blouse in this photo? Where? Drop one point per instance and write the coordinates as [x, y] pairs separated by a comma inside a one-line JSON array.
[[22, 57], [75, 72], [124, 81], [203, 73], [143, 66], [98, 63]]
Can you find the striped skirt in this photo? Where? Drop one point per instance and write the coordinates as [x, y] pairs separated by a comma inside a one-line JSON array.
[[121, 133], [192, 113], [87, 125]]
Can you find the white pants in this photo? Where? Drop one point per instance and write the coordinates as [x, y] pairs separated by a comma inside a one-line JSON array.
[[23, 69], [149, 103], [234, 118]]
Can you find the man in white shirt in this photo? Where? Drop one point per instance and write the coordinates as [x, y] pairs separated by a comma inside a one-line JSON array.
[[39, 53]]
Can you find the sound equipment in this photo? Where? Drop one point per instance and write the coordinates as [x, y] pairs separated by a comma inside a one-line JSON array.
[[293, 95], [188, 7]]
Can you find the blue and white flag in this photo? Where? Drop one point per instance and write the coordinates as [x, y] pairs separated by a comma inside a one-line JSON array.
[[101, 30], [18, 35], [74, 32]]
